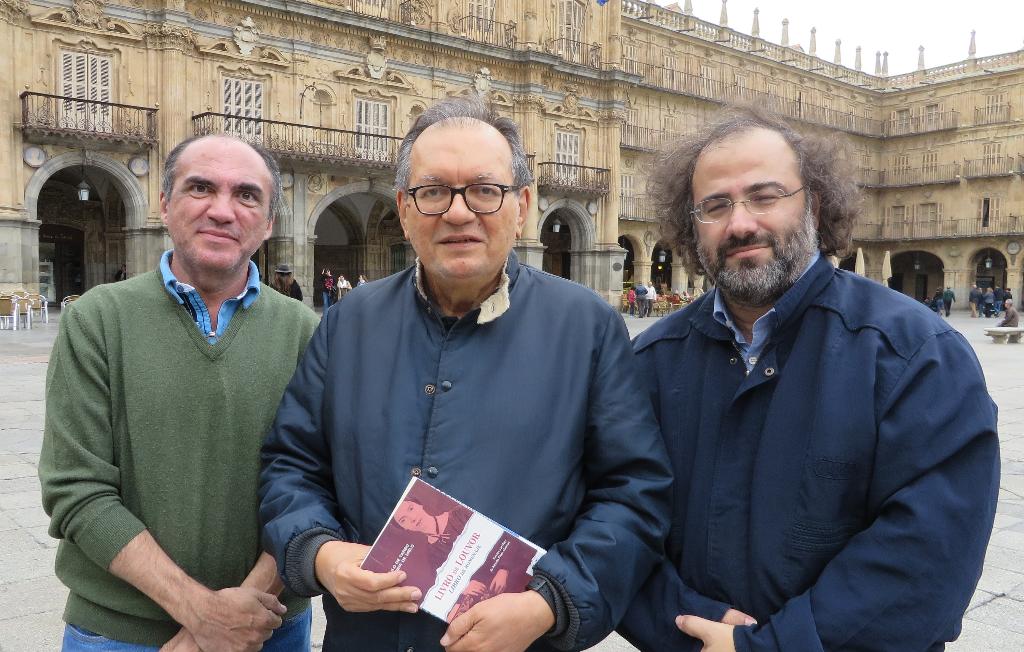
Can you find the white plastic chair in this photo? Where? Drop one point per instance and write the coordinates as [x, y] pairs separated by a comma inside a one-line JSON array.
[[8, 318], [37, 303]]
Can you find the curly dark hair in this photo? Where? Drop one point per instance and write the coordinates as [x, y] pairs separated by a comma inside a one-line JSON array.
[[824, 169]]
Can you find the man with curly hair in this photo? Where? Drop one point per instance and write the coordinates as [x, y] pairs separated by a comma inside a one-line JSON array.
[[824, 499]]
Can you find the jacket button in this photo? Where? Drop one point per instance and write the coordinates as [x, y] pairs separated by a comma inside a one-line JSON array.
[[416, 472], [446, 385], [429, 389], [733, 360], [410, 649], [432, 471], [769, 371]]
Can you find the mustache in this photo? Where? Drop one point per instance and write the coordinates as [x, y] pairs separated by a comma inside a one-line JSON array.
[[762, 239]]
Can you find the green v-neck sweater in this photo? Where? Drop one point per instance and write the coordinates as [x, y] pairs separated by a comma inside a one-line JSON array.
[[148, 426]]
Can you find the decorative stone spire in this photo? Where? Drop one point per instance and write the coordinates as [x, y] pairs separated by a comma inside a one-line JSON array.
[[878, 62], [723, 20], [688, 8], [856, 60], [885, 64], [813, 50], [755, 30], [785, 32], [920, 57], [838, 58], [973, 48]]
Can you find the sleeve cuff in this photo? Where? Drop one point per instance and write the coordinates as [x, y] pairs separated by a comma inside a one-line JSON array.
[[564, 632], [106, 531], [300, 562]]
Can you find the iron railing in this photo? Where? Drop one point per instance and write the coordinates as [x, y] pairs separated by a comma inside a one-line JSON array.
[[487, 31], [990, 166], [988, 115], [579, 178], [62, 115], [944, 228], [920, 124], [636, 208], [585, 54], [928, 174], [304, 142], [643, 138]]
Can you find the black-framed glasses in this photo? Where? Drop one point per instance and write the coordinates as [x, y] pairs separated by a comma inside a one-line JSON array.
[[759, 202], [481, 198]]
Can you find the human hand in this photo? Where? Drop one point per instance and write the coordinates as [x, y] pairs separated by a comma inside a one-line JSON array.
[[337, 568], [499, 581], [509, 622], [738, 618], [233, 620], [474, 589], [717, 637], [182, 642]]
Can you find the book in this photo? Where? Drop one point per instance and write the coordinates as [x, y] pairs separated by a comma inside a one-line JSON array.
[[455, 555]]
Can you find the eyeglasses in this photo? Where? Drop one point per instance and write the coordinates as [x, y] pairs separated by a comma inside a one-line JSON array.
[[481, 198], [761, 202]]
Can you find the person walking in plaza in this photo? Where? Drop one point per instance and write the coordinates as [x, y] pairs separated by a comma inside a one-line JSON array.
[[327, 283], [413, 379], [988, 302], [825, 498], [948, 297], [651, 298], [154, 421], [974, 298], [631, 301], [285, 283], [938, 303], [998, 296], [343, 286], [641, 304], [1011, 318]]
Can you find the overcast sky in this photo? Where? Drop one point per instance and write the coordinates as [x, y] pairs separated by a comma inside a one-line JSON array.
[[943, 27]]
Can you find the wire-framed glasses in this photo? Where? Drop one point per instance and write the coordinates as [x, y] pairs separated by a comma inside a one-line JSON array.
[[759, 202], [481, 198]]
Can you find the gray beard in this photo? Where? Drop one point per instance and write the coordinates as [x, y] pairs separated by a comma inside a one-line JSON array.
[[756, 285]]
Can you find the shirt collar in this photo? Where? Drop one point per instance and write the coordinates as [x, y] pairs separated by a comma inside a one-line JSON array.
[[176, 288], [492, 307]]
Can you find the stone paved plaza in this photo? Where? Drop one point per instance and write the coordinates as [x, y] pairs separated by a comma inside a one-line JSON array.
[[31, 598]]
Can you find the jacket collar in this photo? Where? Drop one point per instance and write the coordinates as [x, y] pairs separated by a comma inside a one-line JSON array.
[[493, 306]]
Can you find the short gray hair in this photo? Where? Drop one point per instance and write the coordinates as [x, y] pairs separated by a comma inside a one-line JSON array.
[[276, 207], [459, 111]]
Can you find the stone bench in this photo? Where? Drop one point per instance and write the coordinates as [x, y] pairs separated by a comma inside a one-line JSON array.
[[1004, 334]]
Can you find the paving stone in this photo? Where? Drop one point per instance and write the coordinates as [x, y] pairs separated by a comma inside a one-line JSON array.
[[1005, 613], [978, 636]]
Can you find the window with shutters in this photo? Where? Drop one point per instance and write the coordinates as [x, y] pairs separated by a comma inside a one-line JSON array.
[[932, 116], [626, 180], [988, 210], [706, 85], [483, 12], [928, 212], [991, 152], [86, 76], [668, 62], [630, 58], [900, 122], [373, 119], [930, 161], [567, 156], [571, 14], [901, 162], [898, 214], [243, 98]]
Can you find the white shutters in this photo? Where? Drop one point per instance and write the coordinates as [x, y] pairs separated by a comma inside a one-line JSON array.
[[482, 9], [243, 98], [630, 58], [570, 29], [567, 155], [706, 86], [372, 118], [626, 181], [88, 77]]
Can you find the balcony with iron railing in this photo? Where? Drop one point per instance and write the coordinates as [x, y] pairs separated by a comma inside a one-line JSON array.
[[920, 124], [641, 138], [901, 177], [990, 166], [304, 142], [574, 178], [486, 31], [935, 229], [578, 52], [45, 117], [636, 208], [710, 89], [990, 115]]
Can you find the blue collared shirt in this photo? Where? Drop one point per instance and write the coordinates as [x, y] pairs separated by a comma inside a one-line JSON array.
[[763, 328], [188, 296]]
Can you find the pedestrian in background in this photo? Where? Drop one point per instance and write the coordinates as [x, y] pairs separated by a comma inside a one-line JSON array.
[[327, 282], [974, 298], [998, 296], [631, 300], [1011, 318], [988, 299], [948, 298], [285, 283]]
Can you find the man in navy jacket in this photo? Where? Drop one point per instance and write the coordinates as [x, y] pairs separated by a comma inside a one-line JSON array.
[[829, 495], [508, 388]]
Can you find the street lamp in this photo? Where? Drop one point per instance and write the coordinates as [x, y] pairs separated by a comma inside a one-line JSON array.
[[556, 226], [917, 263], [988, 262], [661, 256], [83, 191]]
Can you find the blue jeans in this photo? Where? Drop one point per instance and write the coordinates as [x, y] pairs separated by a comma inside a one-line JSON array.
[[292, 635], [327, 300]]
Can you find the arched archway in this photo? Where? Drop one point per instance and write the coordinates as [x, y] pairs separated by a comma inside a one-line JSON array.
[[133, 195], [565, 229], [627, 265], [661, 267], [917, 274], [989, 266]]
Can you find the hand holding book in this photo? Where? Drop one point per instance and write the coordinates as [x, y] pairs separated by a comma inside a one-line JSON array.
[[338, 569], [508, 622]]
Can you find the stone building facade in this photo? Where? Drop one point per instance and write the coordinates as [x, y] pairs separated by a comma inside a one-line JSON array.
[[94, 93]]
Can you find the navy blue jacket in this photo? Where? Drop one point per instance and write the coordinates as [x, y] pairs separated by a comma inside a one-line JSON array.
[[842, 493], [531, 419]]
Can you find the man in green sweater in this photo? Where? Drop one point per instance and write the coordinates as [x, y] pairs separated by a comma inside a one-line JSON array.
[[159, 392]]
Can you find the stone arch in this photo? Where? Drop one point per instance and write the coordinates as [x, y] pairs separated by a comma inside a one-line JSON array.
[[368, 187], [581, 224], [134, 197]]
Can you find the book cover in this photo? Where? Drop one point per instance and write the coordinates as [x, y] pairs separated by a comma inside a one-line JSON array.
[[452, 553]]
